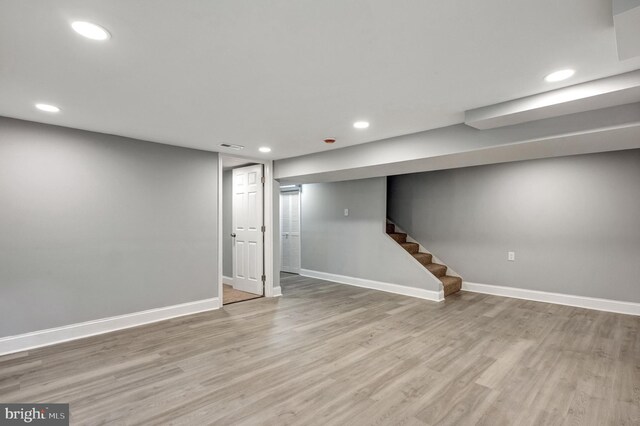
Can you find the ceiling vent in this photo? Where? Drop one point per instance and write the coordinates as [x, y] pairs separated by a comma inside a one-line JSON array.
[[236, 147]]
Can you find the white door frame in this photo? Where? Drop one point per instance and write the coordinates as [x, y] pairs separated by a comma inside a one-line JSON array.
[[299, 191], [268, 223], [247, 228]]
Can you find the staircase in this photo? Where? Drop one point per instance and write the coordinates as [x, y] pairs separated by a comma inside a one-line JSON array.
[[450, 284]]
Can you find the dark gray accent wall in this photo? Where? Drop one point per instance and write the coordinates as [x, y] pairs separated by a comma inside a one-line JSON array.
[[93, 226], [573, 222], [355, 245]]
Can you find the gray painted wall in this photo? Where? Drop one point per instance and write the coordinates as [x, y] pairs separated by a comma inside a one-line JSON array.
[[621, 6], [93, 225], [227, 228], [574, 222], [354, 245]]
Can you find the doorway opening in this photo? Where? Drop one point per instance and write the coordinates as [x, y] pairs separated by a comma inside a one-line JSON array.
[[290, 227], [243, 230]]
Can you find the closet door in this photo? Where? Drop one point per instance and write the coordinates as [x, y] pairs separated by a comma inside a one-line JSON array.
[[290, 231]]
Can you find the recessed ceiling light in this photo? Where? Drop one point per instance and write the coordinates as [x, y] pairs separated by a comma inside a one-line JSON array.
[[264, 149], [559, 75], [47, 108], [361, 124], [89, 30]]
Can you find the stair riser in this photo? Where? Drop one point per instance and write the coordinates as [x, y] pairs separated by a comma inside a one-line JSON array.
[[451, 284], [391, 228], [438, 271], [451, 288], [399, 238], [424, 260], [411, 248]]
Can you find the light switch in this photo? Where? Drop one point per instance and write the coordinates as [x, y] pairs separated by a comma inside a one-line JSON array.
[[346, 212], [511, 256]]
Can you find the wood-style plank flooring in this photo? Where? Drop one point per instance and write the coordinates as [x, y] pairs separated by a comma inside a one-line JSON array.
[[331, 354]]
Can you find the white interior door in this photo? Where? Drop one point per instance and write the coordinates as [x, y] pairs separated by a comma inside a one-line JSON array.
[[247, 221], [290, 231]]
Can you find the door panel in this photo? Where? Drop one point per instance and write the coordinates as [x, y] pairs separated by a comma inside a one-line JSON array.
[[253, 261], [247, 220], [239, 259]]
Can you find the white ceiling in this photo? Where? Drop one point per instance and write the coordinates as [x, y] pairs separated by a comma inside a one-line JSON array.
[[229, 163], [287, 74]]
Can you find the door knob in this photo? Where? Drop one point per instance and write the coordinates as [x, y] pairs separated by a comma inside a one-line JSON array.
[[233, 234]]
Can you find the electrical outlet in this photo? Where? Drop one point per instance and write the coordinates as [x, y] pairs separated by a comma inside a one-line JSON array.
[[346, 212], [511, 256]]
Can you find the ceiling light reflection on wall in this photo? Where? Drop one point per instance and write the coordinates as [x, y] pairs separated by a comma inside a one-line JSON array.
[[559, 75]]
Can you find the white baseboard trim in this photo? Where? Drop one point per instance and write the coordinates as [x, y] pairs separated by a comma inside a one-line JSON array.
[[277, 292], [51, 336], [608, 305], [227, 280], [435, 296]]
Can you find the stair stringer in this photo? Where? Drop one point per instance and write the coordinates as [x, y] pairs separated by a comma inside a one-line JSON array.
[[436, 259], [428, 275]]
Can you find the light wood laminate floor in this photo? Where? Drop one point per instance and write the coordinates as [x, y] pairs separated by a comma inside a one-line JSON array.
[[331, 354]]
